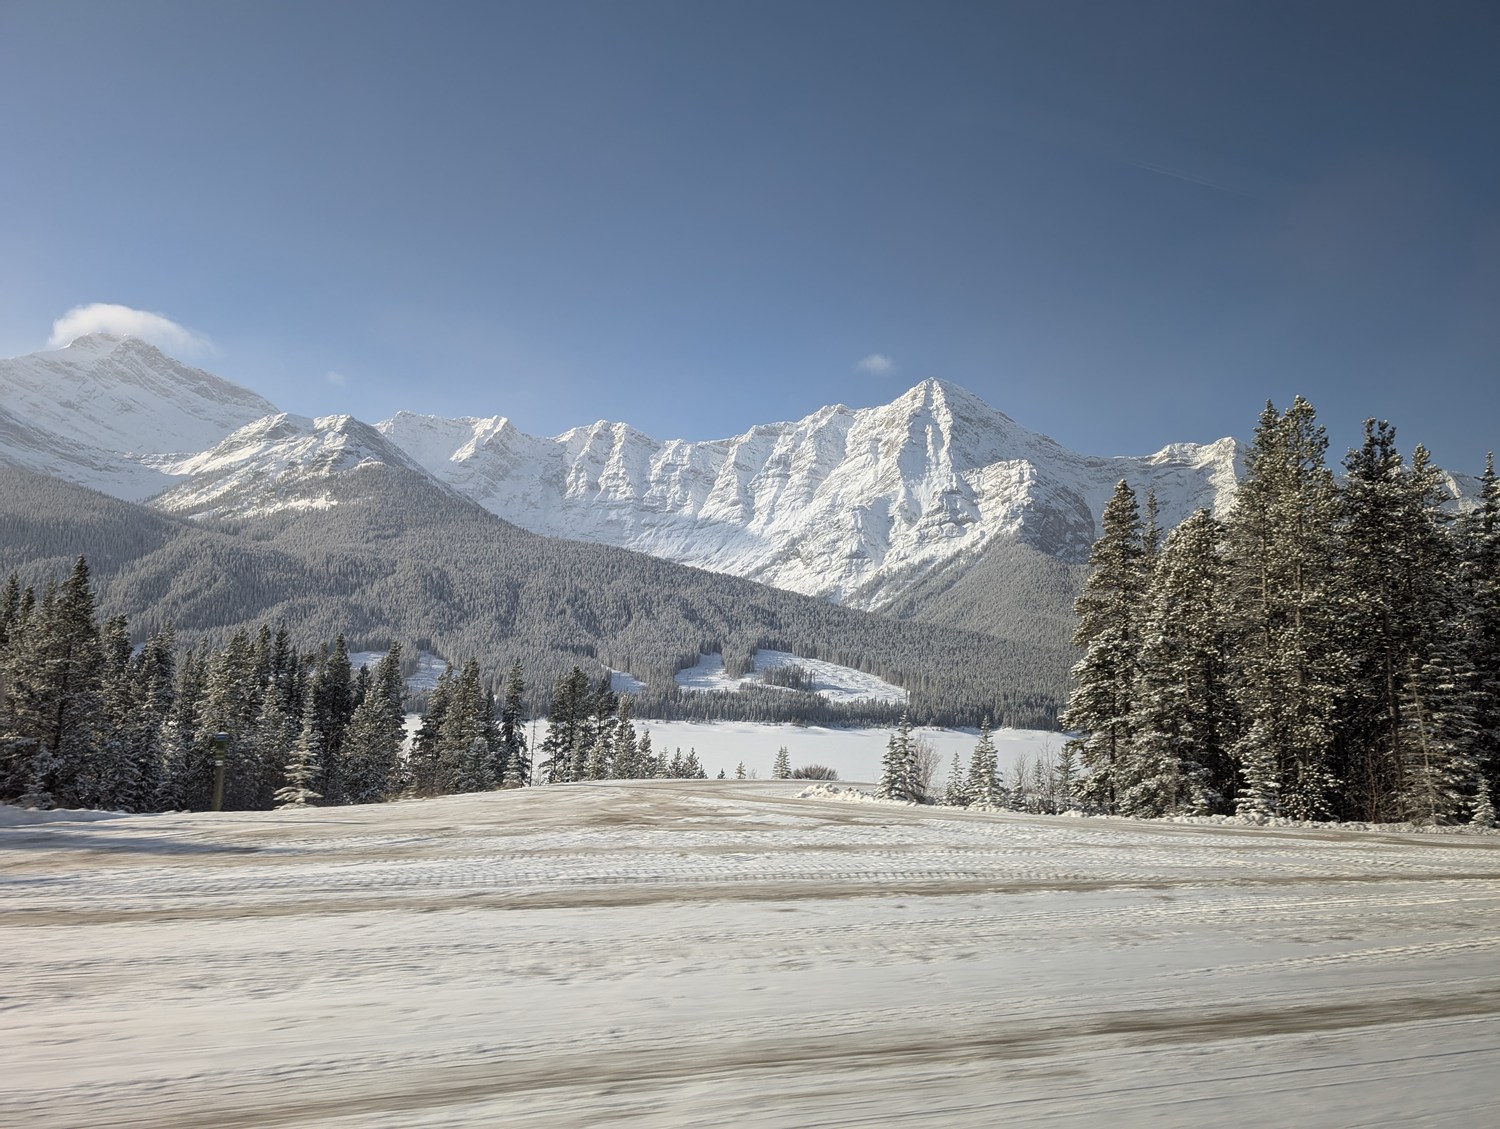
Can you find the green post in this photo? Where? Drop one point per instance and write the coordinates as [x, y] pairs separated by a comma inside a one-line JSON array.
[[220, 742]]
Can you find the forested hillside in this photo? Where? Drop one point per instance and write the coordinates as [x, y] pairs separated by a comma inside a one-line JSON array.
[[399, 558]]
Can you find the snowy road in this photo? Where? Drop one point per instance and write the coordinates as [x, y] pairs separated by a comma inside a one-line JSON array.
[[704, 953]]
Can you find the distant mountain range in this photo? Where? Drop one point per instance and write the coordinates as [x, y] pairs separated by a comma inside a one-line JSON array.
[[862, 507]]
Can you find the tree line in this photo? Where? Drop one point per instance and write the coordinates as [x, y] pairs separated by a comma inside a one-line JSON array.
[[89, 720], [1330, 649], [398, 558]]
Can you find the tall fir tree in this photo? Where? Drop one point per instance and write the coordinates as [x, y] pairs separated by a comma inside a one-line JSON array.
[[983, 787], [372, 743], [302, 769], [514, 753], [1180, 760], [1102, 706], [1479, 572], [1284, 659]]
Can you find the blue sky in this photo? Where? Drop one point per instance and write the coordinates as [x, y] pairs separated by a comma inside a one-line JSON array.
[[1123, 224]]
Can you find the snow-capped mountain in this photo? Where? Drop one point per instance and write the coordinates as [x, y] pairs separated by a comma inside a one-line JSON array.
[[107, 411], [853, 505], [281, 462]]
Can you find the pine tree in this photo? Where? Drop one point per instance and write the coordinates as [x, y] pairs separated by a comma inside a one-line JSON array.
[[372, 743], [333, 696], [230, 704], [566, 720], [153, 703], [898, 769], [426, 751], [1395, 571], [1103, 701], [956, 791], [983, 789], [1484, 807], [303, 770], [1479, 570], [626, 754], [782, 768], [1284, 661], [515, 755], [466, 721], [57, 692], [1065, 777], [739, 771], [1180, 761]]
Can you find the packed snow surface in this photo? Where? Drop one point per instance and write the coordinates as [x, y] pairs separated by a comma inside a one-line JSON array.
[[670, 953], [837, 683]]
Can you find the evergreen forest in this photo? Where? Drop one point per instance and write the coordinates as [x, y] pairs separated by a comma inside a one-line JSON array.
[[1329, 649]]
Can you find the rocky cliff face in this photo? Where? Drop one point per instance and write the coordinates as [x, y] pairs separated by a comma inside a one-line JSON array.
[[862, 507], [852, 505]]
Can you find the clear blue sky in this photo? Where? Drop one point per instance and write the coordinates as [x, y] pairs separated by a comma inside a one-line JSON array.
[[1122, 223]]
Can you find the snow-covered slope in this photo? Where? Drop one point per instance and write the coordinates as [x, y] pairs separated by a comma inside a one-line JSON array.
[[854, 505], [106, 412], [281, 462], [858, 506]]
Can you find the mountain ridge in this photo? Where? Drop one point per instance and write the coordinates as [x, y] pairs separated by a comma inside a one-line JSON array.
[[861, 506]]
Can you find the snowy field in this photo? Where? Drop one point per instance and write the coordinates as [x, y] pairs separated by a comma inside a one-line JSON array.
[[831, 681], [854, 753], [700, 953]]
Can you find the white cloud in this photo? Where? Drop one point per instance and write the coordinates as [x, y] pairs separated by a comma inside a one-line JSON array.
[[877, 363], [337, 378], [122, 321]]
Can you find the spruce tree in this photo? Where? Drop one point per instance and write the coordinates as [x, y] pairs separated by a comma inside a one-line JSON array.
[[1479, 570], [1284, 661], [372, 743], [781, 769], [1180, 759], [303, 770], [898, 778], [426, 754], [983, 788], [334, 702], [1102, 705], [956, 791], [513, 749]]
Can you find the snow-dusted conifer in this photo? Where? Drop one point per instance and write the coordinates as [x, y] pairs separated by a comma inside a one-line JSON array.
[[1103, 701], [303, 770], [782, 768], [983, 787], [1180, 760], [1484, 806], [1283, 657], [514, 754], [956, 792]]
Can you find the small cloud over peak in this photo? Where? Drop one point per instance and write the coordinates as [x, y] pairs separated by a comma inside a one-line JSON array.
[[877, 364], [123, 321], [337, 378]]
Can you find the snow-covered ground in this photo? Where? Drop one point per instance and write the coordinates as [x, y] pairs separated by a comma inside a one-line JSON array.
[[422, 681], [675, 953], [854, 753], [834, 682]]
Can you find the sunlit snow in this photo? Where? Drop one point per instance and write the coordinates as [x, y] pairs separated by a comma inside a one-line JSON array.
[[831, 681], [668, 954]]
